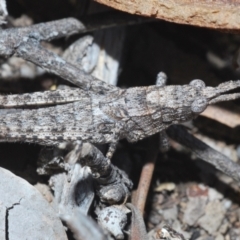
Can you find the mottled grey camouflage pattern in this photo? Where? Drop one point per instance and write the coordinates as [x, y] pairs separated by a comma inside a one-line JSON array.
[[75, 114]]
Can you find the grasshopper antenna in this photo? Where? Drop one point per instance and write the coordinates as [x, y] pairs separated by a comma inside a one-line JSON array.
[[225, 87]]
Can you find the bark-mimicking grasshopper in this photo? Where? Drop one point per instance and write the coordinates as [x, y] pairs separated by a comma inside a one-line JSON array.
[[97, 112], [133, 113]]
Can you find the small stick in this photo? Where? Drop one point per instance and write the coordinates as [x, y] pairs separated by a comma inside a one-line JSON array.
[[24, 42], [223, 116], [138, 228], [203, 151], [113, 185], [82, 226], [140, 196]]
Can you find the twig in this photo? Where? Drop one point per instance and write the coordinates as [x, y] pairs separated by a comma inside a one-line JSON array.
[[69, 26], [51, 62], [140, 196], [113, 184], [223, 116], [12, 37], [24, 42], [82, 226], [138, 229], [204, 152]]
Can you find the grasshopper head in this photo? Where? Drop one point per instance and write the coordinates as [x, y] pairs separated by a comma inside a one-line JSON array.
[[183, 103], [210, 95], [218, 94]]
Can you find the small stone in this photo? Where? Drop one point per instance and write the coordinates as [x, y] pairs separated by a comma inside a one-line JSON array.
[[178, 227], [114, 219], [165, 187], [155, 218], [219, 237], [237, 224], [227, 237], [214, 195], [234, 234], [238, 214], [170, 213], [213, 217], [224, 227], [205, 238], [195, 208], [227, 203], [232, 217]]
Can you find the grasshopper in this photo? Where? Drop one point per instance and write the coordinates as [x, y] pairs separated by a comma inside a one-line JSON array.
[[96, 112], [134, 113]]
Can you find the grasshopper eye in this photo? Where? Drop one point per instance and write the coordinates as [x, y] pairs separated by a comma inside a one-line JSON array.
[[197, 83], [199, 105]]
